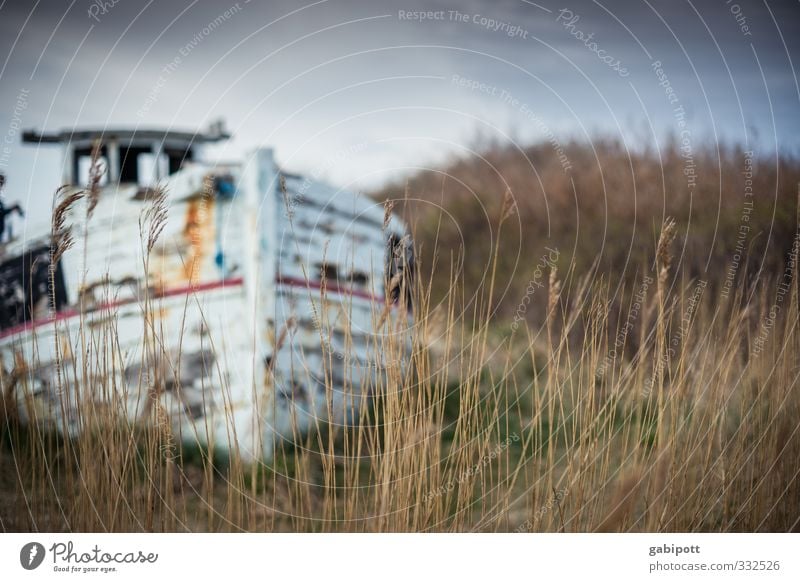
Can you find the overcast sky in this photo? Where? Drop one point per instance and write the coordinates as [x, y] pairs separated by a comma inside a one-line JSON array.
[[359, 92]]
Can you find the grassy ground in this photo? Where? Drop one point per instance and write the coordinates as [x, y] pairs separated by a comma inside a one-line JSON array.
[[585, 399]]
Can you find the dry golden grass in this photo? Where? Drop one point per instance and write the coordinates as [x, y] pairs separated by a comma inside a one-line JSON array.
[[572, 426]]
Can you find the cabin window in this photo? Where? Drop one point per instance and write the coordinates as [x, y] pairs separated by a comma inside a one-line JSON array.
[[137, 164], [25, 289], [130, 164]]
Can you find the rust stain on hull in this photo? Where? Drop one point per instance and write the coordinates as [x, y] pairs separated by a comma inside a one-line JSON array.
[[198, 234]]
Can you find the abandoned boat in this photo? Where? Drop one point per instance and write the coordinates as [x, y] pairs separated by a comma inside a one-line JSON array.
[[236, 303]]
